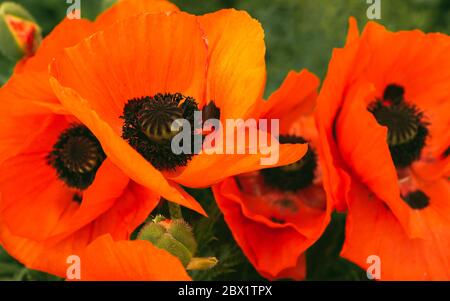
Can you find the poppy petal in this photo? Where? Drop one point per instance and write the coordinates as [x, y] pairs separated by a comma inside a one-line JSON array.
[[432, 170], [28, 93], [329, 102], [127, 8], [236, 71], [22, 206], [106, 259], [439, 126], [297, 93], [28, 184], [18, 133], [298, 272], [26, 102], [218, 167], [353, 31], [434, 163], [97, 199], [401, 258], [362, 144], [130, 210], [66, 34], [402, 58], [38, 256], [260, 242], [142, 56], [296, 97]]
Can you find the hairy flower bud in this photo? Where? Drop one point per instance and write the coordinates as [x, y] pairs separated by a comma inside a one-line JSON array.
[[174, 236]]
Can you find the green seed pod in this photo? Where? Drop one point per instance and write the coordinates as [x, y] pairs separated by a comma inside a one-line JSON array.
[[152, 232], [20, 35], [174, 236], [182, 232], [174, 247]]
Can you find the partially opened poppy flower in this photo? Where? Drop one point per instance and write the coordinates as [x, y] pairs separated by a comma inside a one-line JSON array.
[[130, 82], [58, 189], [277, 213], [383, 118]]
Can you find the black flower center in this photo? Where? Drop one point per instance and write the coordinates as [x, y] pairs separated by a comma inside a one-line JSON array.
[[148, 127], [417, 200], [407, 129], [295, 176], [76, 157]]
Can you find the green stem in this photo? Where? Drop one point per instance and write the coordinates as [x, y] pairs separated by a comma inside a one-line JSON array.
[[20, 276], [175, 211]]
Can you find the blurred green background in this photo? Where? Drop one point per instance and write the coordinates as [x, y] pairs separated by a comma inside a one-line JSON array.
[[299, 34]]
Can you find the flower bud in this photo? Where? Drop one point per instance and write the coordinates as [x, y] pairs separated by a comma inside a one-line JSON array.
[[19, 33], [152, 232], [182, 232], [174, 236], [174, 247]]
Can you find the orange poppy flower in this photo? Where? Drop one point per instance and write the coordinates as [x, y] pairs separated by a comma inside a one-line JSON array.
[[58, 189], [129, 82], [383, 116], [277, 213]]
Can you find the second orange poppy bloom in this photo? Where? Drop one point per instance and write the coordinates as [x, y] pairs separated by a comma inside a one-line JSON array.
[[275, 214], [383, 117]]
